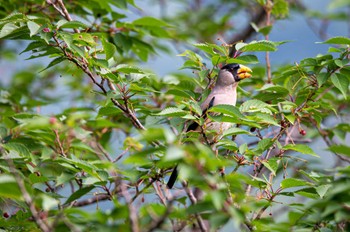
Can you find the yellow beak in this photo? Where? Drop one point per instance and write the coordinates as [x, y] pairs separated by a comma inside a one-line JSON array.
[[244, 72]]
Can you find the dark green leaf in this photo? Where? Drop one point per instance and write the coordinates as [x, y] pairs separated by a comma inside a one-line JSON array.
[[341, 82], [77, 194], [54, 62]]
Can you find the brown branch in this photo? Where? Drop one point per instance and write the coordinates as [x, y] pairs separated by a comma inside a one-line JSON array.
[[132, 211], [61, 8], [157, 223], [92, 200], [138, 193], [268, 9], [328, 141], [104, 152], [159, 192], [121, 155], [39, 221], [57, 139], [193, 200]]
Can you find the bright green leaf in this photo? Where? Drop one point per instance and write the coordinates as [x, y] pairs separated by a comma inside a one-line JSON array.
[[302, 148], [293, 182], [337, 40], [341, 82], [150, 21], [33, 28]]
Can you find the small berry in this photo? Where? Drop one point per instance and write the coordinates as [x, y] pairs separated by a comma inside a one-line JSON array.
[[302, 132], [46, 30], [52, 120], [6, 215], [252, 129], [47, 190], [284, 124]]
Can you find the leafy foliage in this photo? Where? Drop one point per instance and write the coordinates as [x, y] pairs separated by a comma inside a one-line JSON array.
[[123, 128]]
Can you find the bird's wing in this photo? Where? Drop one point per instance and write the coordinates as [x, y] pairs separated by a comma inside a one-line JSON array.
[[194, 125]]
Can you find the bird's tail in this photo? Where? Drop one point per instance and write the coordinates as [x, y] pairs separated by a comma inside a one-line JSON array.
[[172, 178]]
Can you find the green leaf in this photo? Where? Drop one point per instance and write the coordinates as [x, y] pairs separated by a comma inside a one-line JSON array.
[[19, 148], [172, 112], [8, 29], [236, 131], [34, 46], [322, 189], [340, 149], [341, 82], [54, 62], [84, 39], [244, 59], [212, 49], [181, 93], [293, 182], [77, 194], [308, 192], [33, 28], [264, 30], [173, 153], [280, 8], [34, 178], [257, 46], [229, 110], [264, 144], [71, 24], [271, 164], [264, 119], [337, 40], [109, 49], [150, 21], [338, 4], [109, 111], [255, 105], [302, 148], [48, 202], [125, 68], [9, 187]]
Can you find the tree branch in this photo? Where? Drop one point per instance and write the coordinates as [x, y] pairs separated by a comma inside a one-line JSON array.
[[40, 221]]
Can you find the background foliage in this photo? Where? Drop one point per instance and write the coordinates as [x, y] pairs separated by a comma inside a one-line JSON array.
[[102, 160]]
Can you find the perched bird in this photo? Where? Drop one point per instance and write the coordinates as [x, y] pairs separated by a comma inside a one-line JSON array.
[[224, 92]]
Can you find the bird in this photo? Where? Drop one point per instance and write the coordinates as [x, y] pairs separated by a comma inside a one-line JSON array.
[[223, 92]]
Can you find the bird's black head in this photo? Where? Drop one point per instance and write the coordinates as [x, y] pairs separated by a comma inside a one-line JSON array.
[[238, 71]]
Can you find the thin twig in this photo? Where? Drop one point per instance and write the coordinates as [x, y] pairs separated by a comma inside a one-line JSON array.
[[104, 152], [57, 138], [268, 9], [132, 211], [121, 155], [40, 221], [157, 223], [193, 200]]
